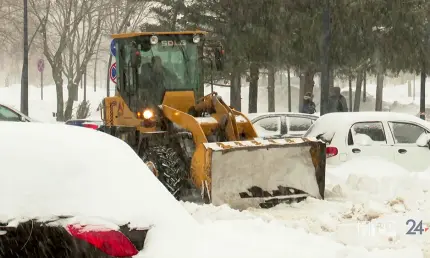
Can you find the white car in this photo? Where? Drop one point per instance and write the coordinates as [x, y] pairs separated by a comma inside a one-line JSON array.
[[389, 135], [281, 124]]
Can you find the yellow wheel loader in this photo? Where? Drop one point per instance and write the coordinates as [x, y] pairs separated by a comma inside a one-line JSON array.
[[200, 148]]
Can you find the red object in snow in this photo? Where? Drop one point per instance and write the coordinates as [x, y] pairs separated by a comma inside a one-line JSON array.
[[111, 242], [92, 126]]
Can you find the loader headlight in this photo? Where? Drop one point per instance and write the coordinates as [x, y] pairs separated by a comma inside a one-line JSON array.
[[153, 40], [196, 39], [147, 114]]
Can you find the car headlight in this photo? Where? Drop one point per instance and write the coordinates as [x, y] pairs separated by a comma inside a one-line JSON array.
[[147, 114]]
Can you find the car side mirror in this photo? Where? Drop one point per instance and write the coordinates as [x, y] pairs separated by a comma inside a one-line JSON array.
[[22, 119], [424, 140]]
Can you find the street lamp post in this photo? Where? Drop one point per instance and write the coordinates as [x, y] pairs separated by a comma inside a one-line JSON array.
[[24, 76]]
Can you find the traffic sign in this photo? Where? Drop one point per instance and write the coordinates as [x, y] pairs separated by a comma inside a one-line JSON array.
[[112, 73], [40, 65], [113, 48]]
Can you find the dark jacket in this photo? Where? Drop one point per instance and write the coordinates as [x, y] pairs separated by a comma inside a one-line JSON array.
[[308, 107], [337, 102]]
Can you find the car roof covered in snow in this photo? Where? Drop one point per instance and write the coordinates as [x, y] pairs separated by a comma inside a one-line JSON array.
[[353, 117], [52, 170], [329, 123], [255, 115]]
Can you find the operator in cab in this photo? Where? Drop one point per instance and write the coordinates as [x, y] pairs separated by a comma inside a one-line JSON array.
[[158, 78]]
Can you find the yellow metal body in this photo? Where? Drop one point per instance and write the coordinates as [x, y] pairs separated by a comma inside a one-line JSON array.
[[175, 107], [231, 170], [238, 127]]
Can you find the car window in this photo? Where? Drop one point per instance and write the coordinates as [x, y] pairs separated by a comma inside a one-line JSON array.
[[8, 115], [268, 125], [406, 132], [367, 133], [299, 123]]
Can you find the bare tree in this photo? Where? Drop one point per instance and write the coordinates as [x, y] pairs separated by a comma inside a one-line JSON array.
[[81, 47], [60, 21]]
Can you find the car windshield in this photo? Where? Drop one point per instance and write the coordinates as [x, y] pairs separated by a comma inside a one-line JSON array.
[[322, 130]]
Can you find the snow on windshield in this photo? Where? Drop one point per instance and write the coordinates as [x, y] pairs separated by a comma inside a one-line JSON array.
[[54, 169]]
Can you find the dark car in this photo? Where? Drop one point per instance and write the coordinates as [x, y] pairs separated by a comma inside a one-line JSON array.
[[12, 115], [88, 123]]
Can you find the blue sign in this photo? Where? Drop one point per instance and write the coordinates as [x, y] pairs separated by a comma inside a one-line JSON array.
[[113, 48], [112, 73]]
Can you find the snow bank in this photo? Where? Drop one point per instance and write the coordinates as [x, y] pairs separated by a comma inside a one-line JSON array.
[[368, 201], [55, 169], [283, 229]]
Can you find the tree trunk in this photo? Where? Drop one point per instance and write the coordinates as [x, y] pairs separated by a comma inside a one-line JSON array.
[[409, 89], [253, 88], [58, 80], [289, 89], [423, 94], [271, 88], [85, 85], [235, 88], [350, 93], [306, 85], [364, 87], [331, 78], [357, 97], [73, 90], [301, 90], [95, 65], [379, 91], [95, 75]]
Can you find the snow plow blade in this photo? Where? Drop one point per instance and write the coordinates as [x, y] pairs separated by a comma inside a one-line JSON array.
[[264, 173]]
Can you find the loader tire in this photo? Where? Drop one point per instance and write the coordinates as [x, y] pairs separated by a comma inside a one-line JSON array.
[[169, 168]]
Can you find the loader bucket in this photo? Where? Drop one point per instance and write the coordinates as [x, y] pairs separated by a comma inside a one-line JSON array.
[[263, 173]]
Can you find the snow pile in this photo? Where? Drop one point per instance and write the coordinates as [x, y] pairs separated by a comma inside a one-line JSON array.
[[55, 169], [368, 201]]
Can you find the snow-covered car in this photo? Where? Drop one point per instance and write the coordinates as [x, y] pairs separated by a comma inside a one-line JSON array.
[[8, 113], [281, 124], [392, 136], [101, 204]]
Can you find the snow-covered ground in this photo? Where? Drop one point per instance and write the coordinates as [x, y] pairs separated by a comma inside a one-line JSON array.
[[368, 202], [367, 205]]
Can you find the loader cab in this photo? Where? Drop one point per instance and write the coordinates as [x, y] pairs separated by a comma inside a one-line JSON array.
[[148, 64]]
